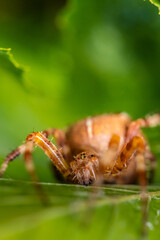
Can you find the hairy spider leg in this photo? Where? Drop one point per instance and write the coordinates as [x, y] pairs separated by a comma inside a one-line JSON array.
[[134, 129], [149, 121], [48, 147], [31, 170], [10, 157], [50, 150], [58, 134], [60, 139], [135, 147], [25, 148]]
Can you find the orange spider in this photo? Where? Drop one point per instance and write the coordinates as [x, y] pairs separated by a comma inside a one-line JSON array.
[[110, 146]]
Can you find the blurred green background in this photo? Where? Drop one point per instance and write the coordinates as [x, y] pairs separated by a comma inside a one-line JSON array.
[[72, 59]]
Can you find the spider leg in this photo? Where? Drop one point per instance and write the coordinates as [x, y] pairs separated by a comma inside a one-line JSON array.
[[149, 121], [142, 178], [60, 139], [135, 148], [10, 157], [31, 170], [48, 147], [58, 134], [50, 150], [26, 149], [134, 130]]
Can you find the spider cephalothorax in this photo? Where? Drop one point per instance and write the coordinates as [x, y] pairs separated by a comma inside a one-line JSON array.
[[110, 146]]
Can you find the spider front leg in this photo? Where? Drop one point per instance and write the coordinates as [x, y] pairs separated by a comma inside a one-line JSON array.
[[48, 147], [50, 150], [58, 134], [60, 139], [85, 168]]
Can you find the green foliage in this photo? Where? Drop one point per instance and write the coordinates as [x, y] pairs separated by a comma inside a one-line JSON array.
[[79, 59], [156, 3], [7, 61], [72, 214]]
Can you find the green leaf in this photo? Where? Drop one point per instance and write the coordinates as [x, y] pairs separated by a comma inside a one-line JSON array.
[[156, 3], [76, 212], [8, 63]]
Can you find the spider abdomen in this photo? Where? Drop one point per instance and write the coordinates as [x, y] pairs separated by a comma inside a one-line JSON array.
[[95, 133]]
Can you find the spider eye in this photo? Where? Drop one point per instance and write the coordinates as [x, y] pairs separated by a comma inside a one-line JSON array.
[[83, 155]]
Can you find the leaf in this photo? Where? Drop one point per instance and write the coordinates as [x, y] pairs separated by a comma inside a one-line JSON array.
[[9, 64], [72, 215], [156, 3]]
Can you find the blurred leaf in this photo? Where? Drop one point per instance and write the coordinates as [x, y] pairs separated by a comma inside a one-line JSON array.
[[110, 213], [8, 62], [156, 3]]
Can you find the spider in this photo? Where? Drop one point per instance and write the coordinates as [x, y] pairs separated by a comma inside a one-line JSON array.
[[110, 146]]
